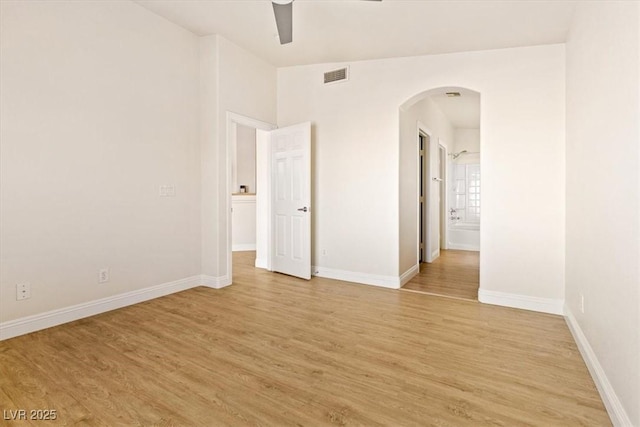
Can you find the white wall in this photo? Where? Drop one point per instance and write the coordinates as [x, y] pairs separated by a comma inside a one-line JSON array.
[[467, 139], [210, 160], [358, 174], [427, 113], [243, 222], [246, 85], [99, 107], [603, 195], [245, 159], [355, 164]]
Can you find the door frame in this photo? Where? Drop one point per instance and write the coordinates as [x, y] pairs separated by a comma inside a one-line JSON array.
[[233, 120], [443, 152], [426, 177]]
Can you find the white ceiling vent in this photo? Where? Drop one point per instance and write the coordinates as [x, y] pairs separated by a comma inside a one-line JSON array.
[[336, 75]]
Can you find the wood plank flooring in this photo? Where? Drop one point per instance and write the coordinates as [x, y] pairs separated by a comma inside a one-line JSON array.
[[274, 350], [454, 274]]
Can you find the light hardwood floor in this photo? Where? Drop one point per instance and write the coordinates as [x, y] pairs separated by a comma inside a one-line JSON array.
[[454, 274], [273, 350]]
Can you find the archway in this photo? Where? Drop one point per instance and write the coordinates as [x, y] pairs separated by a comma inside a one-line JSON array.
[[440, 192]]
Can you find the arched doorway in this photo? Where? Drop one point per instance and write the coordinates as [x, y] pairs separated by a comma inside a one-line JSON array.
[[440, 192]]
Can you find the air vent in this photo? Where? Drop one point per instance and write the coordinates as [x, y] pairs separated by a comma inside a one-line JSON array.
[[453, 94], [336, 75]]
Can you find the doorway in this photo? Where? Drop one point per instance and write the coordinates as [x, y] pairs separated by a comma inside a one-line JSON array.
[[281, 199], [431, 187], [448, 192], [247, 204], [244, 189], [423, 214]]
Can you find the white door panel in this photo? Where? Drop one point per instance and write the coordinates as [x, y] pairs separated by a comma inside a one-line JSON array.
[[291, 179]]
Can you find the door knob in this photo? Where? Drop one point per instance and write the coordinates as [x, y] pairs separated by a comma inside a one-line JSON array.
[[303, 209]]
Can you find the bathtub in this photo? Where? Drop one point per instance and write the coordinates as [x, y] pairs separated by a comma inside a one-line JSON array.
[[464, 236]]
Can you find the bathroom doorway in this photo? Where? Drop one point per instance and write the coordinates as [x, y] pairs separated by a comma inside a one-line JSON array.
[[448, 191], [423, 145], [431, 192]]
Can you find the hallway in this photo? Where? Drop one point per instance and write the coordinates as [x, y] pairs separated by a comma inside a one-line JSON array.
[[453, 274]]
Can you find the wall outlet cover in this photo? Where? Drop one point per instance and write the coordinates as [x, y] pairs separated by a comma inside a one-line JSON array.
[[23, 291]]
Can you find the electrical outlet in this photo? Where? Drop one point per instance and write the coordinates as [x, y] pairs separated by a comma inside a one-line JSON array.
[[324, 252], [581, 303], [23, 291], [103, 275]]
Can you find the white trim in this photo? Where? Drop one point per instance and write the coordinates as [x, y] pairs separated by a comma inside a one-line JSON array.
[[215, 282], [616, 411], [444, 196], [263, 198], [232, 133], [249, 199], [439, 295], [25, 325], [544, 305], [243, 247], [422, 129], [391, 282], [409, 274], [462, 247]]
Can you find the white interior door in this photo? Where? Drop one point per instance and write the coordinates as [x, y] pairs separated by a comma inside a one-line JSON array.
[[291, 200]]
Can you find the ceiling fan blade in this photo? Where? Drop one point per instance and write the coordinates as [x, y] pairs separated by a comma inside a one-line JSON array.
[[284, 21]]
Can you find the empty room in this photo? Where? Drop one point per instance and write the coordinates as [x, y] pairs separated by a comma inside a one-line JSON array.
[[308, 212]]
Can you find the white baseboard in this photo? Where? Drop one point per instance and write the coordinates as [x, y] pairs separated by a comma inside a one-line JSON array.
[[25, 325], [357, 277], [461, 247], [409, 274], [614, 407], [215, 282], [544, 305], [243, 247]]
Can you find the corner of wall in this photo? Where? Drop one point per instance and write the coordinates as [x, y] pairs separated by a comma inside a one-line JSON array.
[[524, 302], [209, 124], [358, 277], [609, 397], [409, 274], [215, 282]]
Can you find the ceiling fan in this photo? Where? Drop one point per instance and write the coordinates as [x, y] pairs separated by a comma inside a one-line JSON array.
[[283, 11]]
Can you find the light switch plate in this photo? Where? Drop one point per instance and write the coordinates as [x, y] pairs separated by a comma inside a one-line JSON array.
[[167, 191]]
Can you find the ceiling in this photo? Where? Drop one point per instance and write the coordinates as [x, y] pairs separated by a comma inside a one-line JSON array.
[[463, 112], [351, 30]]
